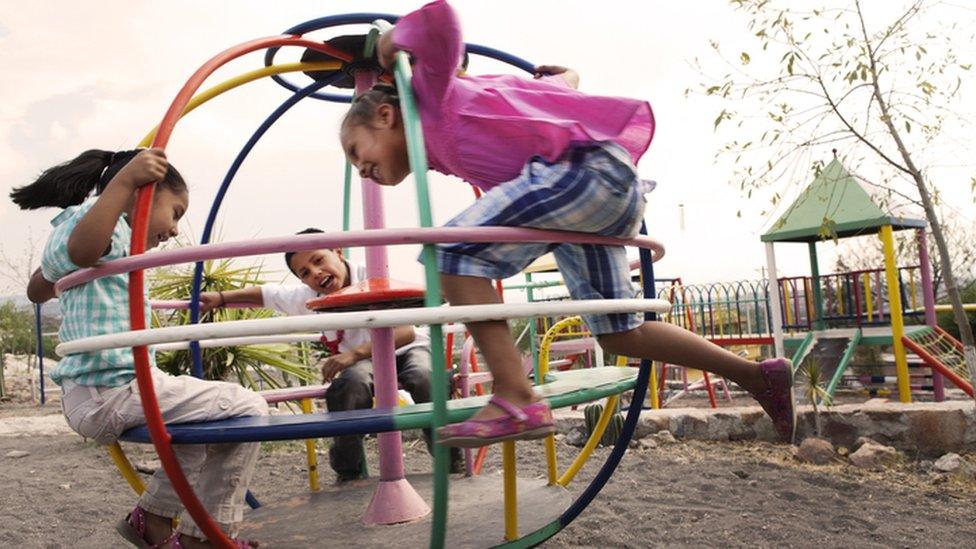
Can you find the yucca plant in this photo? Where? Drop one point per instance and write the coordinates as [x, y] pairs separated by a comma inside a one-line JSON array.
[[269, 365], [812, 373]]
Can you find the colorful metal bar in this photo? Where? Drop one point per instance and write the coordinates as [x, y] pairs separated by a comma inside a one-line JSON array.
[[136, 288], [310, 455], [384, 237], [897, 324], [510, 490]]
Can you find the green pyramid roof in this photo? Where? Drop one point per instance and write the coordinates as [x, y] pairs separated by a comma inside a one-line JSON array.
[[837, 200]]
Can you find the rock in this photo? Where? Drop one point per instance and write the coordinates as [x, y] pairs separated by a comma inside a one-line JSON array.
[[874, 456], [15, 454], [148, 467], [815, 450], [648, 443], [663, 437], [633, 444], [576, 437], [740, 473], [843, 451], [955, 464], [66, 486], [861, 441]]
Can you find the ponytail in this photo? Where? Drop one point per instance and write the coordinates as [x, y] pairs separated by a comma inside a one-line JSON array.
[[365, 104], [70, 183]]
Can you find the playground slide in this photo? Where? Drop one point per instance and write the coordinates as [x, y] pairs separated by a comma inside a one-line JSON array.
[[941, 352], [832, 355]]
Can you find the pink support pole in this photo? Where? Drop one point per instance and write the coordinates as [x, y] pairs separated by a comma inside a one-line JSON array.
[[928, 297], [394, 500]]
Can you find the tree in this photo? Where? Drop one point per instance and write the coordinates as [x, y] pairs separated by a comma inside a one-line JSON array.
[[15, 271], [890, 95], [248, 363]]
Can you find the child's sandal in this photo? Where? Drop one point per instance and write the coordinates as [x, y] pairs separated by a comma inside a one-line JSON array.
[[133, 529], [531, 422]]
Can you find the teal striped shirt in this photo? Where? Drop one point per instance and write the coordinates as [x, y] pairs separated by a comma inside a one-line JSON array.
[[96, 308]]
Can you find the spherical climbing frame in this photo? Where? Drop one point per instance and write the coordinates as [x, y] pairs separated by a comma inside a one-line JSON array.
[[394, 499]]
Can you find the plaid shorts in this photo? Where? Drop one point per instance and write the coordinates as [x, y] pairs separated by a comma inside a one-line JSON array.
[[592, 188]]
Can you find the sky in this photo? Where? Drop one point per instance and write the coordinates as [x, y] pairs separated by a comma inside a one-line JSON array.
[[79, 77]]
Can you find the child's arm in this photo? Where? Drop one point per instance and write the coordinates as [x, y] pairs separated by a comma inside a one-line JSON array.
[[39, 289], [212, 300], [333, 365], [565, 75], [92, 236], [432, 36]]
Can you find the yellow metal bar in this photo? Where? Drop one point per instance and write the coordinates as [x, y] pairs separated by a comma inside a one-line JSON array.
[[897, 326], [839, 292], [125, 467], [310, 455], [786, 302], [242, 79], [868, 296], [544, 346], [601, 425], [653, 388], [510, 488]]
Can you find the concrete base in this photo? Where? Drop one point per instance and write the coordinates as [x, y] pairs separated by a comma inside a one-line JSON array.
[[333, 517], [928, 429]]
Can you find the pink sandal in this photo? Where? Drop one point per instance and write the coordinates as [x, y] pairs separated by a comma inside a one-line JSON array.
[[531, 422], [777, 399], [133, 529]]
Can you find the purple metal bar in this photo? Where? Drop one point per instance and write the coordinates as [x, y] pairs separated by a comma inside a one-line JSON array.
[[928, 297]]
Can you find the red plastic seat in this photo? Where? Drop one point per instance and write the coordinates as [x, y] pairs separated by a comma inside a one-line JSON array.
[[372, 293]]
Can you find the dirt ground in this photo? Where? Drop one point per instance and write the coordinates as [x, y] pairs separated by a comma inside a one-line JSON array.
[[66, 493]]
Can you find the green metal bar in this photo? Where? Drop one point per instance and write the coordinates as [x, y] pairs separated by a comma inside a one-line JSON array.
[[801, 350], [417, 154], [533, 539], [818, 322], [842, 365], [532, 285], [346, 198]]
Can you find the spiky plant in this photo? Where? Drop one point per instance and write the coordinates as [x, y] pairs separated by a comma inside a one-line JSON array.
[[812, 373], [269, 363]]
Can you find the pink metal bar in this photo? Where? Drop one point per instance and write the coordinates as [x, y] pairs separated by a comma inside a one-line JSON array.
[[928, 298], [383, 237], [294, 393], [394, 500]]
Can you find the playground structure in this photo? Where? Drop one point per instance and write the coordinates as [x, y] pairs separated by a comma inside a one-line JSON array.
[[394, 499], [827, 316]]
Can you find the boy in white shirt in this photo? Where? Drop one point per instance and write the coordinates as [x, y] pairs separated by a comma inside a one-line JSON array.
[[348, 365]]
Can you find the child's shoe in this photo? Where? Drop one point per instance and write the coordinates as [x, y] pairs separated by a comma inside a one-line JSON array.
[[133, 529], [777, 399], [531, 422]]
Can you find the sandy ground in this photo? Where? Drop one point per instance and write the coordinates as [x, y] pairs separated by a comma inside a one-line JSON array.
[[66, 493]]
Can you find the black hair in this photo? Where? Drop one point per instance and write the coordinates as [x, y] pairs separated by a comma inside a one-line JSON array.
[[289, 255], [365, 104], [71, 182]]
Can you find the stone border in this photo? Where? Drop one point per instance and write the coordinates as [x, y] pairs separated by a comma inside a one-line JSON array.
[[927, 429]]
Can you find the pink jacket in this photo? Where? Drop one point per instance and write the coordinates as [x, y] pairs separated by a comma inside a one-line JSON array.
[[484, 129]]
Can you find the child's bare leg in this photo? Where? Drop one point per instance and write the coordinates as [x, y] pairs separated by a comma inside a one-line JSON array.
[[675, 345], [494, 340]]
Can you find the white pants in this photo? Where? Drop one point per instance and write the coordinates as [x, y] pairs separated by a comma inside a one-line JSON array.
[[220, 473]]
